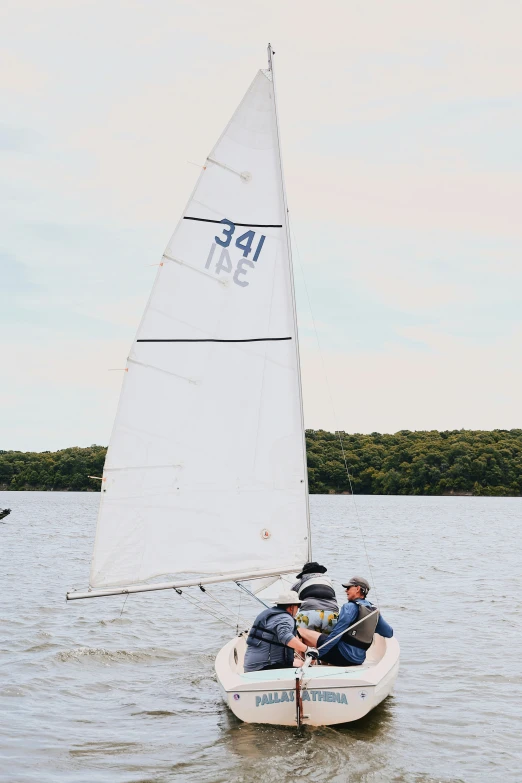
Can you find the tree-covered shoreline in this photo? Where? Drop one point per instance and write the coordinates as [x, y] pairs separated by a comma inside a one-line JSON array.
[[424, 462], [472, 462], [64, 470]]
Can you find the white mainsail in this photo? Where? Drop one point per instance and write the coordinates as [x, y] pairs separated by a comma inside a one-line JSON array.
[[206, 467]]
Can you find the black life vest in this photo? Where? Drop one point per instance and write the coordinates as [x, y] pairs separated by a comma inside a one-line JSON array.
[[362, 634], [316, 586], [260, 633]]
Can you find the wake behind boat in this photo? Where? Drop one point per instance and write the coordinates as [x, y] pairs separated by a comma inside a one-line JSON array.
[[205, 478]]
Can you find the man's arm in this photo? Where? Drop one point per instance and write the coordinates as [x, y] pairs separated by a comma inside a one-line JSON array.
[[285, 634], [297, 645], [383, 628], [347, 616]]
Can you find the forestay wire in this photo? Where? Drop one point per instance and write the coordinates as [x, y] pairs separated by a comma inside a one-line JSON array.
[[337, 432]]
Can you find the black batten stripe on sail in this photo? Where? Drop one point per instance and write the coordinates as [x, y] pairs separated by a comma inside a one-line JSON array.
[[243, 225], [213, 340]]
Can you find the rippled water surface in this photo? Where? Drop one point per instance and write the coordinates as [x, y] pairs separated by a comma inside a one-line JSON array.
[[88, 693]]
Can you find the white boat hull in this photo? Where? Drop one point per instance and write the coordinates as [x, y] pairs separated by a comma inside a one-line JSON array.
[[330, 694]]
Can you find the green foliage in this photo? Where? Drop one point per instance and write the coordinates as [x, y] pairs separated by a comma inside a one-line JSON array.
[[416, 463], [68, 469], [406, 463]]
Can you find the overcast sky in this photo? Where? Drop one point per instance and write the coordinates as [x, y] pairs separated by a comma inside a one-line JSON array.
[[401, 125]]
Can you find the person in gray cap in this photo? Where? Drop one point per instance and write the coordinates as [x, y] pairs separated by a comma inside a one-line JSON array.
[[348, 647], [272, 641]]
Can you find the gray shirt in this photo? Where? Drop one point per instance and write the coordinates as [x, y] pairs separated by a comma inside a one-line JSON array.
[[263, 653]]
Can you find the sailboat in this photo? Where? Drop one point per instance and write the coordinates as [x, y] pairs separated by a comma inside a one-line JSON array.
[[205, 478]]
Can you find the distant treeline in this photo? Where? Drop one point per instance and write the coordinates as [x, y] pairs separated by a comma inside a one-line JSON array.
[[473, 462], [68, 469], [406, 463]]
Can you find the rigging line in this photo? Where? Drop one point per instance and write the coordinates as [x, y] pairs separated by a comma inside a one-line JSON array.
[[242, 225], [337, 432], [213, 598], [223, 282], [199, 605], [123, 607], [212, 340], [252, 595], [238, 613]]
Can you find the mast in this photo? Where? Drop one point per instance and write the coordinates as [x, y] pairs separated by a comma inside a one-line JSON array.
[[270, 52]]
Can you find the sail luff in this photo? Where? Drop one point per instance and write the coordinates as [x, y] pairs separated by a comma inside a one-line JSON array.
[[294, 306]]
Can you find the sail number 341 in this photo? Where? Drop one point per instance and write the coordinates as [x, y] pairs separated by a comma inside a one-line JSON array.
[[244, 243]]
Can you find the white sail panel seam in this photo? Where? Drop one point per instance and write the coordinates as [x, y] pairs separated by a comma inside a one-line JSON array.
[[215, 212], [222, 281], [237, 345], [244, 175], [212, 339], [243, 225], [195, 381]]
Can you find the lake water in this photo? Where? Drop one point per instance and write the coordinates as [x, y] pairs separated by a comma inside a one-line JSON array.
[[91, 695]]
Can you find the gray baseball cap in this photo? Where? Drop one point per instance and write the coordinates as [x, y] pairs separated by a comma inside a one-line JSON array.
[[358, 581]]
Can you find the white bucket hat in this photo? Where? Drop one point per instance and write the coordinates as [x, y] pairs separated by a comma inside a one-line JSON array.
[[290, 598]]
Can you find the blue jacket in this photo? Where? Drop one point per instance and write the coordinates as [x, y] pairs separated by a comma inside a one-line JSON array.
[[347, 616]]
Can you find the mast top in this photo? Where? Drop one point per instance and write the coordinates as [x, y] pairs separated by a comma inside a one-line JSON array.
[[270, 52]]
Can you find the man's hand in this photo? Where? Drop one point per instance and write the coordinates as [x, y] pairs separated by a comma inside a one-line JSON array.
[[312, 652]]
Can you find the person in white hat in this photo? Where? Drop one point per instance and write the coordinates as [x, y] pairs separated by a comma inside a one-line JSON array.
[[272, 641]]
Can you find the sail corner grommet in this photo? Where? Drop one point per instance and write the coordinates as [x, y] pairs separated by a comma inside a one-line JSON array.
[[265, 534]]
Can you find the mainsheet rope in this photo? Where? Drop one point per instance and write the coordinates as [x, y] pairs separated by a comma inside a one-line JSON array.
[[213, 598], [337, 432], [199, 605]]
